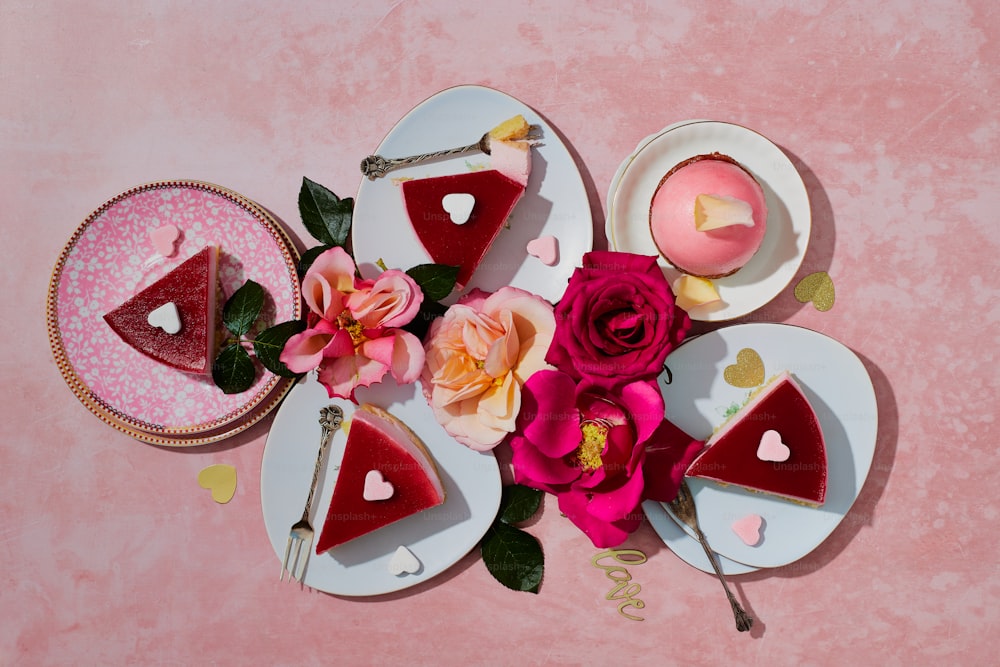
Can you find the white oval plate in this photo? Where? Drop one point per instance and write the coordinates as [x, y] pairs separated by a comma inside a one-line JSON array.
[[438, 537], [840, 391], [789, 219], [554, 204]]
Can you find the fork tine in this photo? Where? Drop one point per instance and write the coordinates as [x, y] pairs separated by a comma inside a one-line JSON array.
[[284, 561]]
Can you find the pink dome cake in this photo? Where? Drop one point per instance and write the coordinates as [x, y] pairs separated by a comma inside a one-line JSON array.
[[708, 216]]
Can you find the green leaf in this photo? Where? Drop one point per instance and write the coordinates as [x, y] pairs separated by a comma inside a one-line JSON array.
[[435, 280], [243, 308], [325, 215], [233, 370], [519, 503], [309, 256], [513, 557], [269, 343]]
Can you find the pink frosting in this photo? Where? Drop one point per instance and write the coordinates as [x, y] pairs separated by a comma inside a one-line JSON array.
[[716, 252]]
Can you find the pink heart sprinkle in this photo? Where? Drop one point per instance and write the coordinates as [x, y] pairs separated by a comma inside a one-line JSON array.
[[749, 529], [545, 248], [164, 239], [771, 448], [376, 487]]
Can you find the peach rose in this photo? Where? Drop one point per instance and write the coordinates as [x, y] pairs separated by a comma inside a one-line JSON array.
[[478, 355]]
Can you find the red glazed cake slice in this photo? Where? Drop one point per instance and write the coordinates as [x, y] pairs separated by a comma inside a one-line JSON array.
[[173, 320], [386, 475], [773, 445], [448, 241]]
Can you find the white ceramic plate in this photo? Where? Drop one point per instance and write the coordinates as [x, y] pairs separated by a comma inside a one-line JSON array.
[[840, 391], [438, 537], [789, 218], [555, 203], [110, 257]]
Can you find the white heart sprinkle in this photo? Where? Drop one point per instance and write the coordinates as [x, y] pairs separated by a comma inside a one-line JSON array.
[[459, 206], [166, 317], [376, 486], [403, 561]]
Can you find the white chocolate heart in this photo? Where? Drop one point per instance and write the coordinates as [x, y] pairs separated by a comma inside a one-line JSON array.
[[165, 317], [749, 529], [717, 211], [459, 206], [771, 448], [403, 561], [377, 487], [545, 248]]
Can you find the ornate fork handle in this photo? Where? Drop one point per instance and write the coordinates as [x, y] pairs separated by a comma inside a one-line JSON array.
[[330, 419], [376, 166]]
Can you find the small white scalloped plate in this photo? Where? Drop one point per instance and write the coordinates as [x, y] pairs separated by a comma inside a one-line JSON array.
[[789, 219]]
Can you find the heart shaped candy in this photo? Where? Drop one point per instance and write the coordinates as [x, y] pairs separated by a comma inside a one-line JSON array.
[[403, 561], [748, 371], [818, 288], [377, 487], [165, 239], [750, 529], [221, 480], [459, 206], [545, 248], [771, 448], [165, 317]]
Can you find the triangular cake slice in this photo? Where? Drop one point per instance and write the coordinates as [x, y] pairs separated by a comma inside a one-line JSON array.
[[173, 320], [462, 236], [386, 475], [774, 445]]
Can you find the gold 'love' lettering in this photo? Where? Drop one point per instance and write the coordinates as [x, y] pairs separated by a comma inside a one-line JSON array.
[[624, 592]]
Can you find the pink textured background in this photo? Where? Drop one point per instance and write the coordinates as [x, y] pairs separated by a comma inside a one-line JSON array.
[[112, 554]]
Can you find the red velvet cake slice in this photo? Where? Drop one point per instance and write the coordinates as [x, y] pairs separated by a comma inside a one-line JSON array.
[[773, 445], [173, 320], [386, 475], [462, 244]]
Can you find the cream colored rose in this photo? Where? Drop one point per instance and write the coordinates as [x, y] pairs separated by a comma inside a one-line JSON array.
[[478, 355]]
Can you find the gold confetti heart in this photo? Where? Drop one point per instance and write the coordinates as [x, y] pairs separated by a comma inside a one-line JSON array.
[[748, 371], [817, 288], [221, 480]]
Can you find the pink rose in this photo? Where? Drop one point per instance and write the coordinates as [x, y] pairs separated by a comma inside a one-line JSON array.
[[600, 452], [617, 320], [352, 337], [478, 354]]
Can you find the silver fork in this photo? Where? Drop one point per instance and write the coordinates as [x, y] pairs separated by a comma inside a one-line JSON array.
[[684, 507], [300, 538]]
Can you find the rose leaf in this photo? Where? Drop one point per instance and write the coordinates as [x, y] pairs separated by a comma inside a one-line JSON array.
[[519, 503], [233, 370], [435, 280], [325, 215], [269, 343], [513, 557], [243, 308]]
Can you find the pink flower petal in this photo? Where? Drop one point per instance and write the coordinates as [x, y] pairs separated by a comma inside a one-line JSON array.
[[551, 421], [602, 534], [618, 503]]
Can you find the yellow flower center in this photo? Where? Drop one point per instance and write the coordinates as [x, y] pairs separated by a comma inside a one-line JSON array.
[[595, 437], [353, 327]]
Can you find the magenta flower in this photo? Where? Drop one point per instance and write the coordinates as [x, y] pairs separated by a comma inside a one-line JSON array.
[[353, 337], [600, 452], [617, 320]]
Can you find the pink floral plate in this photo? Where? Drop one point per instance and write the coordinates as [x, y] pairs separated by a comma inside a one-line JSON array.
[[111, 256]]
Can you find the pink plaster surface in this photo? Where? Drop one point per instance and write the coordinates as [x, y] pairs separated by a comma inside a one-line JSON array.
[[112, 554]]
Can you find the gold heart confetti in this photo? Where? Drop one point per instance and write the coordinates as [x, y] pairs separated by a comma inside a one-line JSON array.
[[748, 371], [818, 288], [221, 480]]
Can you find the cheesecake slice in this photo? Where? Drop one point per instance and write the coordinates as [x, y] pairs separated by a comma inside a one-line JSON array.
[[773, 445], [386, 475], [173, 320]]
